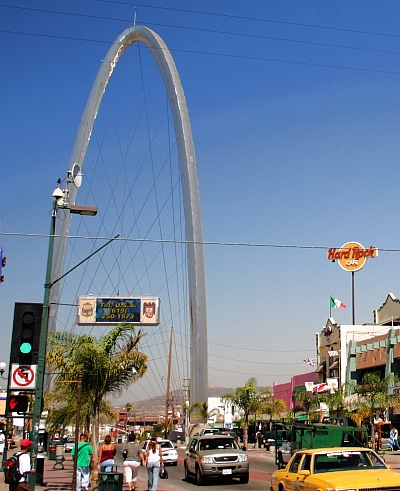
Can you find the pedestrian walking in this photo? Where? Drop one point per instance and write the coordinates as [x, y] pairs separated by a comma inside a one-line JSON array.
[[2, 442], [83, 463], [259, 439], [107, 453], [154, 462], [24, 461], [396, 438], [134, 457]]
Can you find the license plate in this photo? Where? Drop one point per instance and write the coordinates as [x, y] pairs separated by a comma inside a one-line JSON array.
[[226, 471]]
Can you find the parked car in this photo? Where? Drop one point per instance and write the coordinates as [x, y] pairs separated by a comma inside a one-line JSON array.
[[209, 431], [283, 454], [168, 449], [230, 433], [346, 468], [215, 456], [69, 445]]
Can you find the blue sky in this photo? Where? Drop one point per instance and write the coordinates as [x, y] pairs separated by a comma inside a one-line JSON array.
[[294, 110]]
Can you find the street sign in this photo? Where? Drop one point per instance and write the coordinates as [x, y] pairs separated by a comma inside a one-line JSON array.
[[140, 311], [22, 377]]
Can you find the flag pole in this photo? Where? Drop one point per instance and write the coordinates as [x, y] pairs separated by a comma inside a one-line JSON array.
[[330, 306]]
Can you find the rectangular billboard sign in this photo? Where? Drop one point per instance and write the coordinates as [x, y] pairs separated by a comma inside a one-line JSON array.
[[140, 311]]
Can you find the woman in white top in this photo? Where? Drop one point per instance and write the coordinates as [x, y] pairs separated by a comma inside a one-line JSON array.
[[153, 460]]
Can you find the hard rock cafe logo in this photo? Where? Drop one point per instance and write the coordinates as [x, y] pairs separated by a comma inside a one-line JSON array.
[[352, 256], [149, 309]]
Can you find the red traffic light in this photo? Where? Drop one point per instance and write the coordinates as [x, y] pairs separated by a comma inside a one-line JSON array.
[[18, 404]]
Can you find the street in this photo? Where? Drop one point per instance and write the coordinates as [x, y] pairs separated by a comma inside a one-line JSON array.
[[261, 466]]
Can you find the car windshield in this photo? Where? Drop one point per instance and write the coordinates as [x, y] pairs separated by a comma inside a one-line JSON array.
[[217, 444], [347, 460], [166, 445]]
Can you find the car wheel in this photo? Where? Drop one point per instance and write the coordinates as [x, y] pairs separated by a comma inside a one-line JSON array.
[[187, 476], [244, 479], [199, 477], [174, 463], [280, 461]]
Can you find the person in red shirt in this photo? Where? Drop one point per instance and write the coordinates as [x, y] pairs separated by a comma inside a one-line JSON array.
[[106, 455]]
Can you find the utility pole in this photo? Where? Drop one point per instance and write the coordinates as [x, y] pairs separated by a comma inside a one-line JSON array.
[[167, 396]]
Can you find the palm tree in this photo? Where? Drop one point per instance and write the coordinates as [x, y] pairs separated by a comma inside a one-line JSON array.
[[373, 394], [248, 399], [275, 407], [107, 366], [199, 412], [336, 402], [306, 400]]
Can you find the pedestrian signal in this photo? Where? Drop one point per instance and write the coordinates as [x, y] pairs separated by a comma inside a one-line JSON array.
[[18, 404]]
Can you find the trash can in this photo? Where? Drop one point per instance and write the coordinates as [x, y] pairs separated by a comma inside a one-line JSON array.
[[39, 470], [52, 451], [110, 481], [59, 450]]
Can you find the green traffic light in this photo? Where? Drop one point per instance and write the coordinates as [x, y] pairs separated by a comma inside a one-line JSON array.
[[25, 348]]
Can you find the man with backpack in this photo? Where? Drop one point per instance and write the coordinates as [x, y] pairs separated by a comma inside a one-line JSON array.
[[18, 472]]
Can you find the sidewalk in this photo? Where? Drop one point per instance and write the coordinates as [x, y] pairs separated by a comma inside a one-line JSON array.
[[58, 479], [55, 479]]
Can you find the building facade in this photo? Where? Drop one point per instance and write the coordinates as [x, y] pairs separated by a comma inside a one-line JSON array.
[[346, 352]]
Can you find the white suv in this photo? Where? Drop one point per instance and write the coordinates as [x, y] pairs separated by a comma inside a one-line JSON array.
[[168, 450], [209, 431]]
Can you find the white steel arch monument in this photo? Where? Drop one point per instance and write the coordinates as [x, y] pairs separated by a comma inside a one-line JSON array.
[[190, 190]]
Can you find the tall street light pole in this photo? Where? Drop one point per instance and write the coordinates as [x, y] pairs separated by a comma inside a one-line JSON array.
[[58, 196]]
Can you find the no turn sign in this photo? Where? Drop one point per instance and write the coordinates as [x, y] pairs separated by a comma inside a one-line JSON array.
[[23, 377]]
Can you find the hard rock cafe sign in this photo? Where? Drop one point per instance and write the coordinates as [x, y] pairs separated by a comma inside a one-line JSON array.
[[352, 256]]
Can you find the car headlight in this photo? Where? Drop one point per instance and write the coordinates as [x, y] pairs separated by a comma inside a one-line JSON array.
[[206, 460], [242, 458]]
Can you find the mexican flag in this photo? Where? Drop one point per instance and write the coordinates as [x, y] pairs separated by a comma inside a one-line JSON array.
[[337, 304]]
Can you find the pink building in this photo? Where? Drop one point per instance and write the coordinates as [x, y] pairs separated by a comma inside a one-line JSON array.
[[287, 391]]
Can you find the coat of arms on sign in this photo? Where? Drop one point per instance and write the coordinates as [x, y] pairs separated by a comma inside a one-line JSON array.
[[149, 309]]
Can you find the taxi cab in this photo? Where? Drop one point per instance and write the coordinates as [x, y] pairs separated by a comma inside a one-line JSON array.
[[337, 468]]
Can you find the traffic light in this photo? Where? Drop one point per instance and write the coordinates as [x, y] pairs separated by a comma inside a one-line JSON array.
[[3, 262], [18, 404], [26, 333]]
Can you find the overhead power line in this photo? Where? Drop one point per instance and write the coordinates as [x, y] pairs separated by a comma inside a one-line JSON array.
[[225, 55], [254, 19], [209, 31], [177, 241]]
